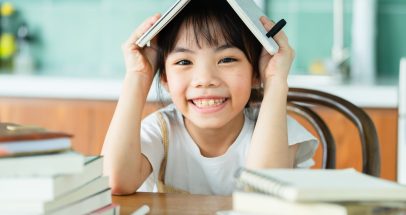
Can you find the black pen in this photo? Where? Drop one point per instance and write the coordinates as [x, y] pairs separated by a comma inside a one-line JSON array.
[[276, 28]]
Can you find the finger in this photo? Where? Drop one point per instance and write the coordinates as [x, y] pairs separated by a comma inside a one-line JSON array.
[[142, 29], [267, 23], [280, 37]]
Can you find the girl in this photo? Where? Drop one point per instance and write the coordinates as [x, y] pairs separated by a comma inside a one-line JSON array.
[[209, 62]]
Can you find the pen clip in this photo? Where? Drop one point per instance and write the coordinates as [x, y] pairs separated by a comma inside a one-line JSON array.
[[276, 28]]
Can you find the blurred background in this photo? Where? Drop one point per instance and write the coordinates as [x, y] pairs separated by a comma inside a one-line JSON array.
[[61, 65], [82, 38]]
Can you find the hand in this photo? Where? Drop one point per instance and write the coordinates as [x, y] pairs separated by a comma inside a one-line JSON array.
[[139, 60], [278, 65]]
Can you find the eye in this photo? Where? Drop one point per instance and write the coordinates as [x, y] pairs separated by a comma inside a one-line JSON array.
[[227, 60], [183, 62]]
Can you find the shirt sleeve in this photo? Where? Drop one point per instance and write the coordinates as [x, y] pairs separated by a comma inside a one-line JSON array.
[[297, 134], [151, 143]]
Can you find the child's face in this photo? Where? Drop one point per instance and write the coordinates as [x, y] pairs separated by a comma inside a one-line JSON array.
[[209, 85]]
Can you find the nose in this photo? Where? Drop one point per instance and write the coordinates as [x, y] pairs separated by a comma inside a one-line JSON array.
[[205, 76]]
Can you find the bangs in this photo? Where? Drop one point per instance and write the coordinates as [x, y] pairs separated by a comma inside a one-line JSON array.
[[207, 30], [208, 22]]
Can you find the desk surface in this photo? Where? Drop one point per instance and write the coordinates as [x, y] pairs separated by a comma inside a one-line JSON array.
[[182, 204], [161, 203]]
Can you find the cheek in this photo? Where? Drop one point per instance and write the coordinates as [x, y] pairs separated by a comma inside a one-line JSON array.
[[241, 87], [242, 82], [176, 84], [243, 90]]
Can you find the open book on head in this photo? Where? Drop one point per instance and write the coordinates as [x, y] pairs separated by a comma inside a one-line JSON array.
[[247, 10], [310, 185]]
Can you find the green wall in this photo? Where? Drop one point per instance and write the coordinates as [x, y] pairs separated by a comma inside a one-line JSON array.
[[310, 31], [82, 38]]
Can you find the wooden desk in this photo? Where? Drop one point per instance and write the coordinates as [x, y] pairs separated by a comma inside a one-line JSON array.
[[182, 204], [161, 203]]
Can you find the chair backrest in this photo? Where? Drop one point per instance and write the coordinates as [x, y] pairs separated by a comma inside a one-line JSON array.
[[300, 101]]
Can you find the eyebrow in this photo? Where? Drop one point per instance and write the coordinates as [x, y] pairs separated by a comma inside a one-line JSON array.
[[225, 46], [220, 48]]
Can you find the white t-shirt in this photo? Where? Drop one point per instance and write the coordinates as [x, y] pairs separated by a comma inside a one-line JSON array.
[[188, 170]]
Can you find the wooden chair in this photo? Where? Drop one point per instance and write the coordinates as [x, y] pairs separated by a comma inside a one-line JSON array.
[[301, 101]]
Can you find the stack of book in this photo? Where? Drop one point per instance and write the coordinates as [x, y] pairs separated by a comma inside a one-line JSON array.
[[316, 192], [40, 174]]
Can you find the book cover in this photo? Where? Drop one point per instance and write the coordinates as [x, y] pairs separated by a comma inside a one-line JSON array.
[[87, 205], [250, 13], [247, 10], [258, 203], [46, 207], [321, 185], [162, 22], [67, 162], [20, 140], [262, 203], [46, 188], [11, 132]]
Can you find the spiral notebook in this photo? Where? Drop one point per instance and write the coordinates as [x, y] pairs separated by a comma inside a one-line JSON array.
[[309, 185], [247, 10], [258, 203]]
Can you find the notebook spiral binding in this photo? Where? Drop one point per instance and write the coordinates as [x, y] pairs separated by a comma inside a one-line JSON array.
[[261, 183]]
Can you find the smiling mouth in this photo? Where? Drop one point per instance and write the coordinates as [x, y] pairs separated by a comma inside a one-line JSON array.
[[208, 103]]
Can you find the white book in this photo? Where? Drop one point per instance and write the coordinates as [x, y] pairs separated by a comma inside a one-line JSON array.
[[49, 187], [39, 206], [83, 206], [68, 162], [250, 13], [36, 146], [111, 209], [87, 205], [258, 203], [162, 22], [17, 140], [247, 10], [309, 185]]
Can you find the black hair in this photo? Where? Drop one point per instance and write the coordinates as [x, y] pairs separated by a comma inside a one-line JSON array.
[[202, 16]]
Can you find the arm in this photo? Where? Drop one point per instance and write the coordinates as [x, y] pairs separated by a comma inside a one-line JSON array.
[[269, 146], [123, 161]]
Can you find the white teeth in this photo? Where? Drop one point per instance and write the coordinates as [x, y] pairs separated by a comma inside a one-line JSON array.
[[207, 102]]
